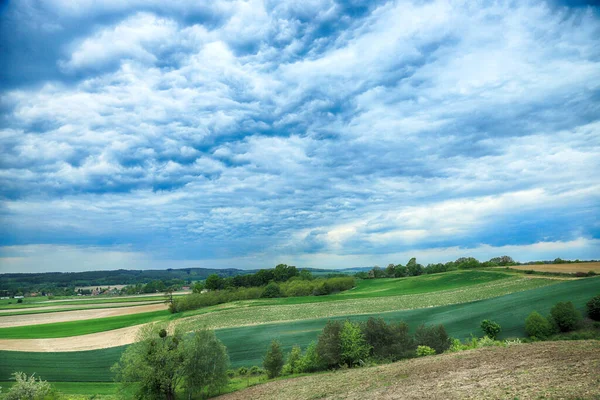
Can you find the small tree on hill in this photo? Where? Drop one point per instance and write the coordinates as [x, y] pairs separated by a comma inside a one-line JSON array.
[[434, 336], [27, 388], [593, 308], [273, 361], [490, 328], [536, 326], [329, 344], [354, 347], [565, 317]]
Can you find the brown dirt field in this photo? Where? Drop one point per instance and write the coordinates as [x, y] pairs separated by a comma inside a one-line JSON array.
[[81, 306], [567, 268], [101, 340], [557, 370], [64, 316]]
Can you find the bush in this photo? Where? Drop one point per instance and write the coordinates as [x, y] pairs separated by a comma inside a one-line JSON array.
[[388, 341], [255, 370], [310, 361], [271, 291], [230, 373], [354, 347], [425, 351], [536, 326], [565, 317], [434, 336], [273, 361], [19, 301], [293, 360], [490, 328], [593, 308], [27, 388], [242, 371], [487, 341], [329, 344]]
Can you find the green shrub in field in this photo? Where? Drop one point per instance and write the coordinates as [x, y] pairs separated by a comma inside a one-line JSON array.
[[27, 388], [329, 344], [425, 351], [593, 308], [230, 373], [242, 371], [271, 291], [565, 317], [456, 346], [354, 346], [256, 370], [310, 361], [388, 341], [487, 341], [434, 336], [490, 328], [273, 361], [293, 360], [537, 326], [512, 342]]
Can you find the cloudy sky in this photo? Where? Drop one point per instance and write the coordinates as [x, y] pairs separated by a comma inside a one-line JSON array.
[[156, 134]]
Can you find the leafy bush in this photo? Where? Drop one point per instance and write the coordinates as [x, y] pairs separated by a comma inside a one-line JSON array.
[[242, 371], [487, 341], [388, 341], [565, 317], [273, 361], [434, 336], [255, 370], [329, 344], [271, 291], [593, 308], [490, 328], [354, 347], [293, 360], [27, 388], [537, 326], [512, 342], [230, 373], [19, 301], [425, 351], [310, 361]]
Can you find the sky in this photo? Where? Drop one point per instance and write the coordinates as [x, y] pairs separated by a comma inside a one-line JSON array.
[[328, 134]]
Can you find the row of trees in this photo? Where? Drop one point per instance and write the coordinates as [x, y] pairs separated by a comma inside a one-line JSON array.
[[281, 273], [291, 288], [350, 344], [412, 268]]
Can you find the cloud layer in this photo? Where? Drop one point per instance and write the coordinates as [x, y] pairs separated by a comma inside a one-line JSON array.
[[246, 133]]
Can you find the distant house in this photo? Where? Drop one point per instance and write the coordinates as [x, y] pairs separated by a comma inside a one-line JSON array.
[[185, 288]]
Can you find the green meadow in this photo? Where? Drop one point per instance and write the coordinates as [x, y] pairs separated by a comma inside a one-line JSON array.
[[247, 344]]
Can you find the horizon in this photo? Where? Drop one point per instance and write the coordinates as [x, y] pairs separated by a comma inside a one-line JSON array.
[[248, 134]]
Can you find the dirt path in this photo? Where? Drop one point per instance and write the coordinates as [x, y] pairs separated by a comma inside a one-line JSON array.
[[94, 341], [65, 316], [558, 370]]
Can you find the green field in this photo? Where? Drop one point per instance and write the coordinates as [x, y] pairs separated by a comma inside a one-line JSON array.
[[30, 302], [369, 296], [246, 345]]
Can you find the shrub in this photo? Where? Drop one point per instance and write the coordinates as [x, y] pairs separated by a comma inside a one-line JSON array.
[[271, 291], [310, 361], [593, 308], [388, 341], [291, 367], [425, 351], [242, 371], [512, 342], [329, 344], [434, 336], [273, 361], [536, 326], [490, 328], [19, 301], [230, 373], [565, 317], [354, 347], [456, 346], [255, 370], [27, 388], [487, 341]]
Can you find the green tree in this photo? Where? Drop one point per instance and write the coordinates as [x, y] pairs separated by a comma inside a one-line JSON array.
[[329, 345], [414, 269], [354, 347], [293, 361], [564, 316], [205, 363], [593, 308], [273, 361], [434, 336], [490, 328], [388, 341], [537, 326], [27, 388], [311, 361], [214, 282], [272, 290]]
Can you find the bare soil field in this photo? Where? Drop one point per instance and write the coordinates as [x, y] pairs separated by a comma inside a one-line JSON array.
[[562, 370], [566, 268], [65, 316], [94, 341]]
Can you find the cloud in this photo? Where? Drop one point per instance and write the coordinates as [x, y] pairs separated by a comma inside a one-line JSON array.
[[248, 130]]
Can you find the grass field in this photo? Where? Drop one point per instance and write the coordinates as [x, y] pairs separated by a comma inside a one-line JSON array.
[[370, 296], [246, 345], [565, 268]]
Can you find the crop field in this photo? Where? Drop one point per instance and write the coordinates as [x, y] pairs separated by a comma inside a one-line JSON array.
[[246, 345], [31, 302], [371, 298], [566, 268]]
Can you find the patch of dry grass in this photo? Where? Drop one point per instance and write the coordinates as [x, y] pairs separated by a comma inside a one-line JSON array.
[[565, 268]]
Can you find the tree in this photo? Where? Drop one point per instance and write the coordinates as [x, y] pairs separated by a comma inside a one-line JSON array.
[[159, 363], [490, 328], [27, 388], [273, 361], [354, 347], [329, 344], [593, 308], [388, 341], [536, 326], [198, 287], [390, 271], [206, 362], [434, 336], [272, 290], [214, 282], [311, 361], [413, 269], [564, 316], [293, 361]]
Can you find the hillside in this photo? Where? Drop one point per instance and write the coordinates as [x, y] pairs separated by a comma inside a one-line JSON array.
[[537, 370]]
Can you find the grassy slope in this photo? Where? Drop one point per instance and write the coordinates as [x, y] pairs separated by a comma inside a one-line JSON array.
[[369, 297], [246, 345]]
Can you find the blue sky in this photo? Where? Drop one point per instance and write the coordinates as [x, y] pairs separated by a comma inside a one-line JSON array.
[[153, 134]]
